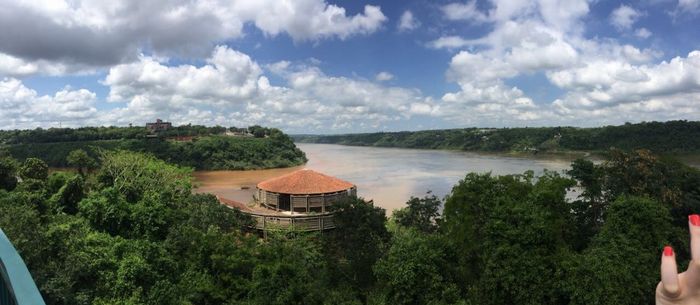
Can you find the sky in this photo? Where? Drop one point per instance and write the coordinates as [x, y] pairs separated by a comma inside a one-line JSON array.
[[317, 66]]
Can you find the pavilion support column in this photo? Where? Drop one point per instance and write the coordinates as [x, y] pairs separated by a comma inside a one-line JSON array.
[[291, 205]]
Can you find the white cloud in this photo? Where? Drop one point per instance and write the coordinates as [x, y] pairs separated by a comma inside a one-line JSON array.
[[231, 89], [308, 19], [99, 34], [624, 17], [383, 76], [464, 11], [25, 108], [601, 77], [228, 78], [563, 15], [604, 83], [407, 22], [692, 6], [642, 33], [449, 42]]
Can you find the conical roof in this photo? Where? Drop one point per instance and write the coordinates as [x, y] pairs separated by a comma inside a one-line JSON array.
[[304, 181]]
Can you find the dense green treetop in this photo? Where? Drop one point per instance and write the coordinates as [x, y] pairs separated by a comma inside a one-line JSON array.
[[208, 149], [660, 137], [131, 232]]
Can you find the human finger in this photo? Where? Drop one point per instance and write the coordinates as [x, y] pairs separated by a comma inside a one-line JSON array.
[[669, 273], [694, 229], [693, 273]]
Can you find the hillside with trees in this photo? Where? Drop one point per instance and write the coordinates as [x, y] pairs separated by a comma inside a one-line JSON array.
[[203, 148], [131, 232], [659, 137]]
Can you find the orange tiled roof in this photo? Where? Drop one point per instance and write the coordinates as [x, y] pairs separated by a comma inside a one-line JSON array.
[[304, 181]]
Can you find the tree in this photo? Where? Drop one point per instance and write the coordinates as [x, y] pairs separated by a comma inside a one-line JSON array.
[[589, 209], [421, 213], [81, 160], [68, 196], [418, 269], [622, 264], [358, 241], [257, 131], [289, 271], [511, 234], [132, 174], [590, 177], [8, 172], [34, 168], [107, 211]]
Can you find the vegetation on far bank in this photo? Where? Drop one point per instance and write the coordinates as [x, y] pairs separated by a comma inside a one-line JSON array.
[[204, 148], [659, 137], [131, 232]]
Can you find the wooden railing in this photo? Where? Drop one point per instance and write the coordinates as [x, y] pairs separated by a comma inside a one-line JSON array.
[[297, 222], [16, 284]]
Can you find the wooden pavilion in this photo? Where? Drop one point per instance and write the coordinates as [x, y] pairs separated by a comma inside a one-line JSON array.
[[301, 199]]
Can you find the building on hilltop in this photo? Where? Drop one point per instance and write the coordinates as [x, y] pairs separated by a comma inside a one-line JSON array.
[[159, 125], [301, 200]]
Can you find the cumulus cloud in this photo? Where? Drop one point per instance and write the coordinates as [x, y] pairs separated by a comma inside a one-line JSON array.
[[692, 6], [150, 87], [602, 84], [17, 67], [407, 22], [231, 89], [23, 107], [464, 11], [449, 42], [603, 80], [99, 34], [624, 17], [383, 76], [600, 77], [642, 33], [562, 14]]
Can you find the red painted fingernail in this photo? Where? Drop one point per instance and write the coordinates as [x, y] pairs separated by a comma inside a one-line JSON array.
[[668, 251], [694, 219]]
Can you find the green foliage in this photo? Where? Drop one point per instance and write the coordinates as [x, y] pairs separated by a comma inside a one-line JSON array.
[[511, 234], [637, 173], [621, 265], [69, 195], [667, 137], [131, 232], [8, 173], [418, 269], [293, 275], [134, 174], [34, 168], [421, 213], [81, 160], [208, 150], [358, 242]]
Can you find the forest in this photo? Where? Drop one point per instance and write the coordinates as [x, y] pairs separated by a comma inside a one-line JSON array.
[[132, 232], [659, 137], [208, 149]]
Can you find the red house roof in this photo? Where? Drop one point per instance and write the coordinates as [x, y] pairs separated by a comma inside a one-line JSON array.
[[304, 181]]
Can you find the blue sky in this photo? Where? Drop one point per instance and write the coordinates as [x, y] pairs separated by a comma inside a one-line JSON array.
[[315, 66]]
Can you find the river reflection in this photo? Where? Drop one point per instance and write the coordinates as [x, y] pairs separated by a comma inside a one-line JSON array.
[[390, 176]]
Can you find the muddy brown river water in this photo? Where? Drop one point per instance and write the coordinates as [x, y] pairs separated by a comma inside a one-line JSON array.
[[389, 176]]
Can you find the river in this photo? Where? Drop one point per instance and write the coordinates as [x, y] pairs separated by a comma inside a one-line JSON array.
[[389, 176]]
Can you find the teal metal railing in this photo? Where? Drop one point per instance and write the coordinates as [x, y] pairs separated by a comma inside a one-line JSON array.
[[16, 284]]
